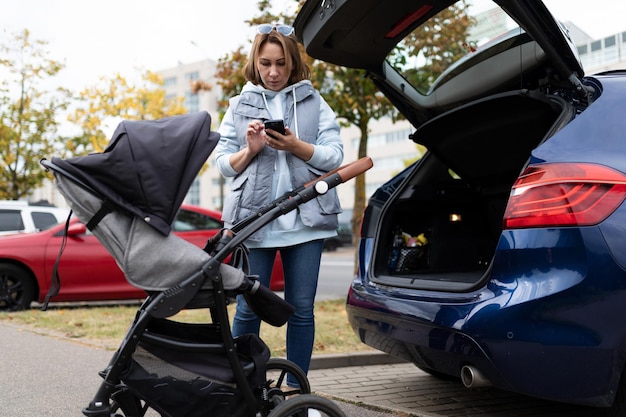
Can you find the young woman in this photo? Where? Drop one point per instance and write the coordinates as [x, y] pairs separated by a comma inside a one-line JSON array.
[[265, 164]]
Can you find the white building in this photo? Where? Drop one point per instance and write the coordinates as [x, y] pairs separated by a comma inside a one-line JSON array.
[[603, 54]]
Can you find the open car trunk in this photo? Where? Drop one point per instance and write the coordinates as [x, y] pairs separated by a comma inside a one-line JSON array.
[[450, 207]]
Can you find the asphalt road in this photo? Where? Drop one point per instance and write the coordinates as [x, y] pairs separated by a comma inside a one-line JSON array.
[[336, 274]]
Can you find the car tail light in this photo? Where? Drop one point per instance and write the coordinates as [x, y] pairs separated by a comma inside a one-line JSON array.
[[566, 194]]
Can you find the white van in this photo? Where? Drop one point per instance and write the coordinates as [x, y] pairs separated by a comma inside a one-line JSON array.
[[18, 216]]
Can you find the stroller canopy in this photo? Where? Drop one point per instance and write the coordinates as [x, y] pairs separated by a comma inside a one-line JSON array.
[[131, 193], [148, 166]]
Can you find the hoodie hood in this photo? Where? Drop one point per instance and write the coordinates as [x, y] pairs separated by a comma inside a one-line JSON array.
[[299, 91], [257, 88]]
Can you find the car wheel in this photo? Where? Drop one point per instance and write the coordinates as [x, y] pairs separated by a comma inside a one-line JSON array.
[[17, 288]]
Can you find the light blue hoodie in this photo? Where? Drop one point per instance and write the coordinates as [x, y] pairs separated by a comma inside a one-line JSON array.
[[272, 173]]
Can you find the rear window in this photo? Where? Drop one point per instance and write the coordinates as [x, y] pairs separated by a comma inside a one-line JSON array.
[[11, 220], [188, 221], [433, 48]]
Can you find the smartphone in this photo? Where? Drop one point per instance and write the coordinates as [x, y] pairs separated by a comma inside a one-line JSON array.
[[277, 125]]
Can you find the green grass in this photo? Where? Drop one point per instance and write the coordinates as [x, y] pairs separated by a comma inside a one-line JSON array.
[[105, 326]]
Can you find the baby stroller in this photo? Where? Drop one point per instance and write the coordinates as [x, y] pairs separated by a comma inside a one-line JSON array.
[[128, 196]]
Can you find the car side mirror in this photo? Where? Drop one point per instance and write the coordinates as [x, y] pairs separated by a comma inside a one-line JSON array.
[[76, 229]]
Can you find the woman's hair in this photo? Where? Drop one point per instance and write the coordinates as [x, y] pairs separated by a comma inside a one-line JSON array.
[[293, 59]]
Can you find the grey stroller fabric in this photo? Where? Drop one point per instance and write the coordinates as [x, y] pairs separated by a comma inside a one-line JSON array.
[[149, 260]]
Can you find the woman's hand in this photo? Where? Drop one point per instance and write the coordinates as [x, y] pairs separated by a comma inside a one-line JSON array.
[[255, 136], [280, 142], [255, 140], [290, 143]]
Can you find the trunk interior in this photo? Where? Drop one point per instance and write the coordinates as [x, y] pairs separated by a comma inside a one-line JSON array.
[[449, 210]]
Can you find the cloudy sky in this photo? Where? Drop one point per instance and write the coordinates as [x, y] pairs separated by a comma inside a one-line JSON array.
[[100, 38]]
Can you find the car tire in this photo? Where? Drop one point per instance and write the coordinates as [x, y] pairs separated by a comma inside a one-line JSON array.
[[17, 288]]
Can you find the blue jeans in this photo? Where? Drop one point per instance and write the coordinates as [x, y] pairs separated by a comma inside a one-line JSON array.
[[301, 265]]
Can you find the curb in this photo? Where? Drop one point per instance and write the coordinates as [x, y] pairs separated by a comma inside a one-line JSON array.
[[353, 359]]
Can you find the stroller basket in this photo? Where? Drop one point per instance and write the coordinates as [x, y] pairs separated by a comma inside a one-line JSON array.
[[182, 369]]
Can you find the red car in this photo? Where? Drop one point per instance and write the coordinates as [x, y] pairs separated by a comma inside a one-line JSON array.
[[87, 271]]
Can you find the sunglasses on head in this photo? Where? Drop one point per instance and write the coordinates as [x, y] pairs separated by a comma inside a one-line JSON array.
[[266, 28]]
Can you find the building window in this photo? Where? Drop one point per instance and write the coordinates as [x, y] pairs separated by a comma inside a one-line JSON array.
[[596, 45], [169, 82], [193, 195], [610, 41], [192, 102], [192, 76], [383, 139]]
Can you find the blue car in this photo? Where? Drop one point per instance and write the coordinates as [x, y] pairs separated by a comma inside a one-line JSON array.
[[499, 257]]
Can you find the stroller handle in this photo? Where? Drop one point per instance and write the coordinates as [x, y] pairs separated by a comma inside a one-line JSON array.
[[268, 306], [225, 244], [340, 175], [221, 245], [355, 168], [346, 172]]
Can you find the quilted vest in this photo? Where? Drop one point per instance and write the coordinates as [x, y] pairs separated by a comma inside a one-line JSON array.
[[251, 189]]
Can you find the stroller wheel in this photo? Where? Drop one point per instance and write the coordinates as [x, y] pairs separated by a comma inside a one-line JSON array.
[[307, 406], [284, 380], [125, 404]]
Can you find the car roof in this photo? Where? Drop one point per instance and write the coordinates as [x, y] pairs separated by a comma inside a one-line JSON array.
[[24, 217]]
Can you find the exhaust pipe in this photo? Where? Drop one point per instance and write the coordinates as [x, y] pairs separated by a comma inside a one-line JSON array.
[[473, 378]]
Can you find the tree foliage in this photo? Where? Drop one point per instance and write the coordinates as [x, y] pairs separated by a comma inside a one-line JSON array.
[[115, 99], [230, 76], [357, 102], [432, 48], [28, 114]]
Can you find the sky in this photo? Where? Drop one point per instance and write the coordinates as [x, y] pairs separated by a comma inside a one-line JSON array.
[[100, 38], [96, 38]]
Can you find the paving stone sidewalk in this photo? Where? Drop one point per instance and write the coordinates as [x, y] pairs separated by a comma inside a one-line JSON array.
[[404, 390]]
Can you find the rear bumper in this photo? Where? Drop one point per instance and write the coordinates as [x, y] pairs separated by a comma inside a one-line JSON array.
[[513, 353]]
